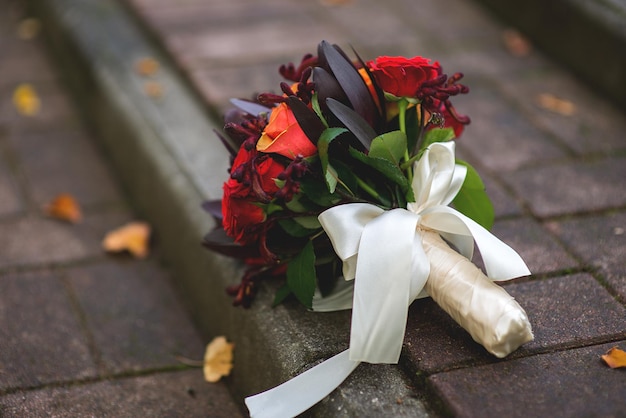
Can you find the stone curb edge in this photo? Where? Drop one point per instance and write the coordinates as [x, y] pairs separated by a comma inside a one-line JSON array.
[[169, 161]]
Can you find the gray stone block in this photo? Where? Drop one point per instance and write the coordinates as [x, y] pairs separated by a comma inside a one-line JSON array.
[[600, 241], [135, 319], [536, 386], [571, 187], [36, 319], [177, 394], [31, 241]]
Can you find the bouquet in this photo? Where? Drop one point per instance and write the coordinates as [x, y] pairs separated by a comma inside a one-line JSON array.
[[346, 185]]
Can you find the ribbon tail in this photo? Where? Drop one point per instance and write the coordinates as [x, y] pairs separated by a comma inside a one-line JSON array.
[[303, 391], [501, 261], [382, 287]]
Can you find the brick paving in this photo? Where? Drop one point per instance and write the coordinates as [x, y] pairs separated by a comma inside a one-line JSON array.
[[557, 183], [82, 333]]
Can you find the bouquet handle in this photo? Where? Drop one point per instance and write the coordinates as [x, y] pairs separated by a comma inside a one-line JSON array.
[[485, 310]]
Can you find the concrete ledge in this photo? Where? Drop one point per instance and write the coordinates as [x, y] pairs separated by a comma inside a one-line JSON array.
[[589, 37], [169, 160]]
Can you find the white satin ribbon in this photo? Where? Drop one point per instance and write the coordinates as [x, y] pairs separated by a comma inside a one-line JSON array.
[[383, 251]]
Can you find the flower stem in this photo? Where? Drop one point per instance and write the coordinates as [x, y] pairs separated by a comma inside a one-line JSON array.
[[402, 107], [368, 189], [421, 125]]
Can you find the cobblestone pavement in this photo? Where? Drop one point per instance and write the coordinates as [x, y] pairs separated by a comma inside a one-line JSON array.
[[82, 333], [79, 347]]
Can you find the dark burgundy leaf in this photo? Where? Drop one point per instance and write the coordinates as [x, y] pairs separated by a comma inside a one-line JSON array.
[[218, 241], [379, 92], [308, 120], [228, 143], [214, 207], [355, 123], [327, 86], [250, 107], [351, 83]]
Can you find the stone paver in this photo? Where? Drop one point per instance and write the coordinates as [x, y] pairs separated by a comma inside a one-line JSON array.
[[535, 386], [600, 242], [174, 394], [500, 137], [133, 333], [42, 339], [541, 251], [571, 187], [82, 333], [10, 199]]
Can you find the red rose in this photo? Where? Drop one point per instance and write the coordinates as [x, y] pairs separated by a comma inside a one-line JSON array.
[[284, 136], [401, 76], [254, 184]]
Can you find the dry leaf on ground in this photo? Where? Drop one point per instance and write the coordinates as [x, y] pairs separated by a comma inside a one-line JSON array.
[[26, 100], [615, 358], [28, 28], [64, 207], [555, 104], [515, 43], [146, 66], [133, 237], [153, 89], [218, 359]]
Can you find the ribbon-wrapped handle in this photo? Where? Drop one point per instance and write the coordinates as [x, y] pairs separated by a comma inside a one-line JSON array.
[[485, 310]]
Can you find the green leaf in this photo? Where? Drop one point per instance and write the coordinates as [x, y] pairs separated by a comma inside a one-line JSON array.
[[315, 105], [385, 167], [317, 192], [295, 205], [390, 146], [437, 135], [472, 200], [322, 148], [295, 229], [281, 295], [309, 222], [347, 176], [331, 177], [301, 275]]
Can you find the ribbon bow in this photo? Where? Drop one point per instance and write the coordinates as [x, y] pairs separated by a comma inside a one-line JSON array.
[[383, 251]]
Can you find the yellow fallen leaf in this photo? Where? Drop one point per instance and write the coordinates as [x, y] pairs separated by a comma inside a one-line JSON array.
[[515, 43], [64, 207], [153, 89], [133, 237], [555, 104], [218, 359], [146, 66], [615, 358], [26, 100], [28, 28]]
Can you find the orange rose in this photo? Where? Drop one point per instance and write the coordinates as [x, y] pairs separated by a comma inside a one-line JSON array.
[[283, 135]]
